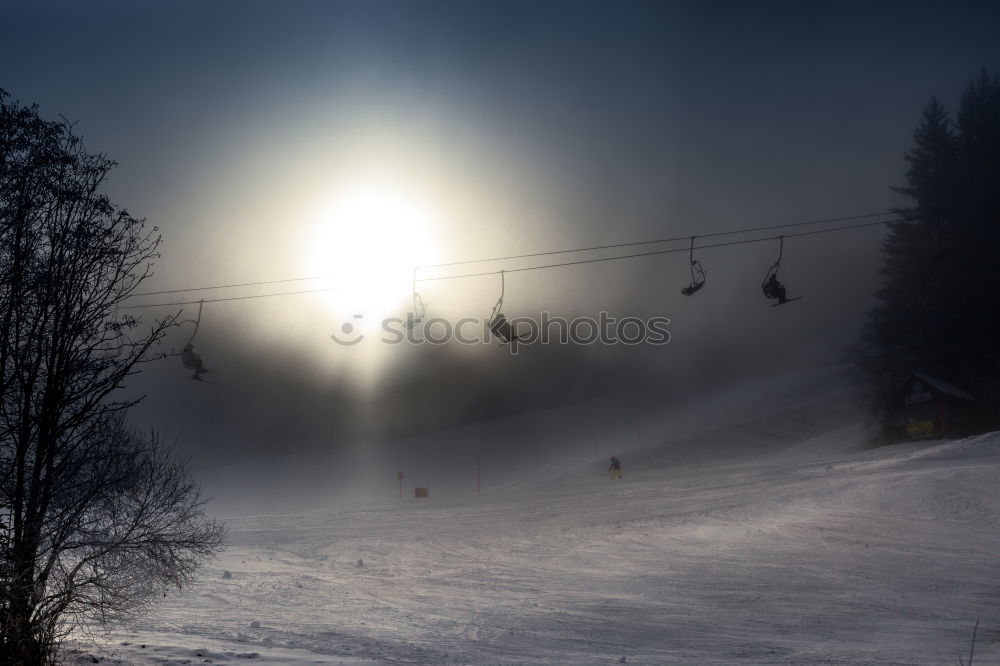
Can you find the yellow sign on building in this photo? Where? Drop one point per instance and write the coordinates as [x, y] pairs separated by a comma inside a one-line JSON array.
[[920, 428]]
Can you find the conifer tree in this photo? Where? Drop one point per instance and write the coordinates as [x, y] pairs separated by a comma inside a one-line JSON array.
[[937, 311]]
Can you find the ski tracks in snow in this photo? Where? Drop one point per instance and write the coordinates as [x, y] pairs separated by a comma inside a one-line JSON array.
[[883, 556]]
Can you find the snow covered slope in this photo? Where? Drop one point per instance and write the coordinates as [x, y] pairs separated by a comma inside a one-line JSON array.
[[810, 550]]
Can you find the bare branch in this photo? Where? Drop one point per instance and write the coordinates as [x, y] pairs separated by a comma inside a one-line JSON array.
[[95, 518]]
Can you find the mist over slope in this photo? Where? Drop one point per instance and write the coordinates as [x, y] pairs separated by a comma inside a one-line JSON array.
[[770, 537], [649, 429]]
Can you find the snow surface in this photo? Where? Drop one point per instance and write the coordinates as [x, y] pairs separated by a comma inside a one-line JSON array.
[[766, 539]]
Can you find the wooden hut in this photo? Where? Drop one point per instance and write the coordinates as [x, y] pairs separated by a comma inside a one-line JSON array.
[[924, 407]]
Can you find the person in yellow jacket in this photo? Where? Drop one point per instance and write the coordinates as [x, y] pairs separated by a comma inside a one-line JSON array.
[[616, 468]]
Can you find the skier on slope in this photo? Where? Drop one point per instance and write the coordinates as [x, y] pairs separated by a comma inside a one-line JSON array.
[[616, 468]]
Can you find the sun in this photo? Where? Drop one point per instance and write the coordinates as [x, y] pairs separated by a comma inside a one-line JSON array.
[[366, 242]]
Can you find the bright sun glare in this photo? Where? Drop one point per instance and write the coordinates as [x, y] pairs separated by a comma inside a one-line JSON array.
[[367, 240]]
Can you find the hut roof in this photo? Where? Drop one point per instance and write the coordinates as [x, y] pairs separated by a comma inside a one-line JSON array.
[[939, 384]]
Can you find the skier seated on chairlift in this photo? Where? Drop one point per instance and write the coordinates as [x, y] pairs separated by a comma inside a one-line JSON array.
[[192, 361], [774, 289]]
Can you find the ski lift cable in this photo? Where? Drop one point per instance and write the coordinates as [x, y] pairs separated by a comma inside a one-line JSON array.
[[577, 262], [234, 285], [655, 241], [911, 213], [657, 252]]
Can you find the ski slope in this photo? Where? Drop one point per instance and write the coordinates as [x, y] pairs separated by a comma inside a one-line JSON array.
[[767, 541]]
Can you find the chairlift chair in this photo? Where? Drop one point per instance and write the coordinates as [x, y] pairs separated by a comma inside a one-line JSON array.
[[697, 273], [416, 316], [498, 324], [771, 287], [189, 358]]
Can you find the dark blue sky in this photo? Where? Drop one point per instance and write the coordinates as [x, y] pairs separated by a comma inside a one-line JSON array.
[[694, 91], [670, 104]]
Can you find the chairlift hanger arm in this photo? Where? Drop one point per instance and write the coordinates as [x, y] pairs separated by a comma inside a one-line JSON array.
[[697, 272], [197, 321], [419, 307], [499, 304], [777, 264]]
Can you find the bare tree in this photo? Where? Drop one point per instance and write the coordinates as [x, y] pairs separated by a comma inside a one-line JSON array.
[[94, 518]]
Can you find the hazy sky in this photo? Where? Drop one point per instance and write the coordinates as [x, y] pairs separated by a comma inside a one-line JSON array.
[[506, 127]]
